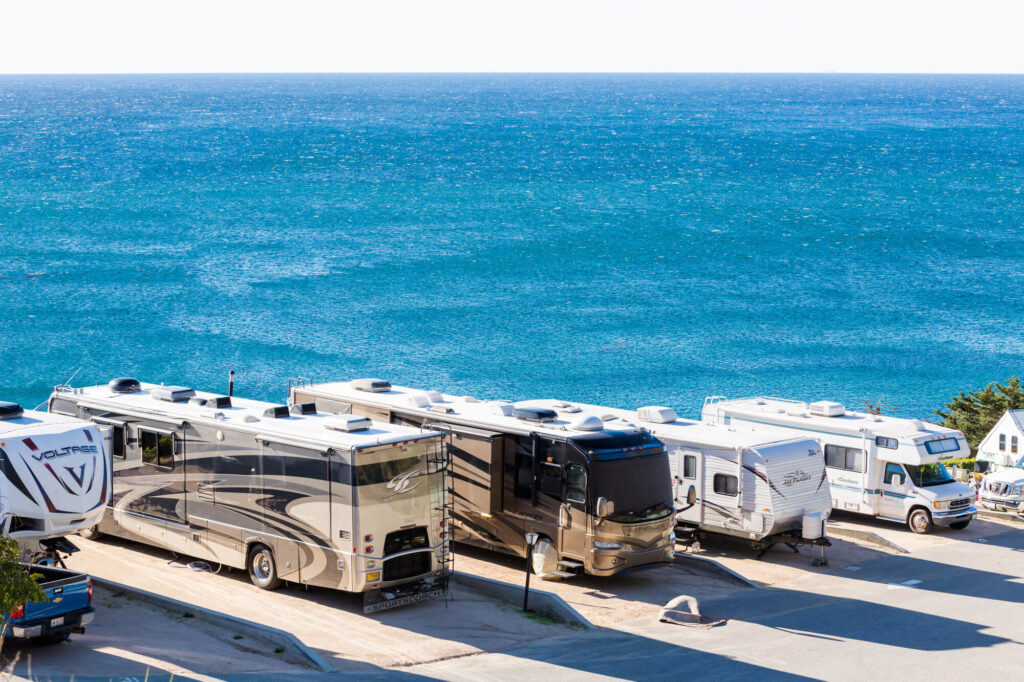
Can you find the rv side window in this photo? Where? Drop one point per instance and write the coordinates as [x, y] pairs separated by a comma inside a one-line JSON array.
[[1002, 441], [690, 466], [157, 448], [726, 484], [838, 457], [117, 442], [894, 470], [576, 484], [936, 447], [523, 467], [551, 479], [890, 443]]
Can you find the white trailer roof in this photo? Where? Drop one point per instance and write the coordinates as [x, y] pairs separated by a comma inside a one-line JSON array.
[[243, 415], [483, 414], [31, 422], [797, 414]]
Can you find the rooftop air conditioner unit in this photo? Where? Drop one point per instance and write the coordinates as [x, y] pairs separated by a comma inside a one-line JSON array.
[[172, 394], [656, 415], [347, 423], [824, 408], [372, 385], [10, 411]]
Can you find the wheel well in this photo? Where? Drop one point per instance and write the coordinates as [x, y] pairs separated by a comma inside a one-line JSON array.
[[915, 508], [252, 544]]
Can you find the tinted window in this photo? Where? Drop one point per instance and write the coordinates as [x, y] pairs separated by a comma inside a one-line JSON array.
[[382, 472], [936, 447], [726, 484], [551, 479], [894, 470], [890, 443], [690, 466], [523, 481], [839, 457], [157, 448], [117, 442], [576, 484]]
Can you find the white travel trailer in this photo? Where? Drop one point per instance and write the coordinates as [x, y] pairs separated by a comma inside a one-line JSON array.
[[765, 487], [1001, 453], [54, 477], [288, 493], [878, 465]]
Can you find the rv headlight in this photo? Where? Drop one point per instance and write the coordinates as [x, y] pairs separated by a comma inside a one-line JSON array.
[[1019, 490], [607, 545], [940, 505]]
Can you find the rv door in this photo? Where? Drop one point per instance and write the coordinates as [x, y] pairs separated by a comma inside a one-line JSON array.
[[687, 484]]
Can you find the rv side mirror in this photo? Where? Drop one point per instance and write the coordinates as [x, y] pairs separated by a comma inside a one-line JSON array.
[[604, 507], [897, 480]]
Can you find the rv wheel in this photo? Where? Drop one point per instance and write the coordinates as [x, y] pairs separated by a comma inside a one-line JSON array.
[[544, 559], [262, 569], [920, 521], [90, 533], [960, 525]]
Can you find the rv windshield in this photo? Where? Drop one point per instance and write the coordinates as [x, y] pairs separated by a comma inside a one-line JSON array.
[[928, 474], [640, 488]]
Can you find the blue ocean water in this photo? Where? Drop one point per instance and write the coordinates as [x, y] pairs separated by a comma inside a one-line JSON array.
[[621, 239]]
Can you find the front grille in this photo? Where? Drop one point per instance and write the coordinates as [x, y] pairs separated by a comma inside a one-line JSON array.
[[404, 540], [960, 504], [407, 566]]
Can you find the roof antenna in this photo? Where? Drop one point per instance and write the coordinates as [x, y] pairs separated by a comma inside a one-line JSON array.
[[231, 382]]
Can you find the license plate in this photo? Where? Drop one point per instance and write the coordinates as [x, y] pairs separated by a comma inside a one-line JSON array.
[[402, 601], [54, 622]]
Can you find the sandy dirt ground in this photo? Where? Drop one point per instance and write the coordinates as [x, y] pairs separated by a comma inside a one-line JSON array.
[[129, 638]]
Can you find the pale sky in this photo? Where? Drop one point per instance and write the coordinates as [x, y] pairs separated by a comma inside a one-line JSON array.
[[186, 36]]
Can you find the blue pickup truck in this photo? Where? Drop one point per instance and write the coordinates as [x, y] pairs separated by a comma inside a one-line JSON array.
[[68, 610]]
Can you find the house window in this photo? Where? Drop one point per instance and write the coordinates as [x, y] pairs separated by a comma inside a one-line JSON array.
[[1013, 444], [1002, 442], [690, 466], [726, 484], [890, 443], [839, 457]]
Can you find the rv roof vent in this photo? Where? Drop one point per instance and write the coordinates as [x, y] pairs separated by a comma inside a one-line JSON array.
[[276, 412], [250, 418], [124, 385], [796, 410], [534, 414], [347, 423], [218, 402], [571, 409], [417, 399], [559, 405], [172, 394], [371, 385], [434, 396], [304, 408], [824, 408], [198, 402], [587, 422], [502, 409], [469, 399], [443, 409], [609, 417], [759, 402], [10, 410], [656, 415]]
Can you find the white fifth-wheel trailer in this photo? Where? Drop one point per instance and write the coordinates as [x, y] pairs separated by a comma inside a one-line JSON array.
[[878, 465], [54, 479], [288, 493]]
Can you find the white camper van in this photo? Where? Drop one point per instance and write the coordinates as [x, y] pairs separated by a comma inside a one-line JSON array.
[[54, 476], [1001, 454], [765, 487], [289, 493], [878, 465]]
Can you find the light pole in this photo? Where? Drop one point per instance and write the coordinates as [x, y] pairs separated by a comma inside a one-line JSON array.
[[531, 540]]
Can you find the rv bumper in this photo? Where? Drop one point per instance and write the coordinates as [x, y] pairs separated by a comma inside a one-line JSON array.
[[946, 518], [610, 562], [406, 593]]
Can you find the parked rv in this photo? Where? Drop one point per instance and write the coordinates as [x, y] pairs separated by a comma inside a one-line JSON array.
[[286, 493], [54, 477], [882, 466], [598, 495], [769, 488]]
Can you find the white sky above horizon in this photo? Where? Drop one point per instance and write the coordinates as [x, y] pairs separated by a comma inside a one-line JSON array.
[[189, 36]]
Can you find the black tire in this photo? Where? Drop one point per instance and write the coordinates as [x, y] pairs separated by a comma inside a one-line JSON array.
[[920, 521], [90, 533], [263, 568], [960, 525]]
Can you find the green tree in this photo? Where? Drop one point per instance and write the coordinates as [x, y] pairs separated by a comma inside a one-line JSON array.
[[976, 412], [17, 586]]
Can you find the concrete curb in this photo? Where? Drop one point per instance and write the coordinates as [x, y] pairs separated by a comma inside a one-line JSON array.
[[866, 536], [998, 516], [712, 567], [286, 640], [544, 602]]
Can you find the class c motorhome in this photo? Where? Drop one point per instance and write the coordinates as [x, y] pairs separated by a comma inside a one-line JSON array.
[[288, 493], [883, 466], [597, 494], [54, 476]]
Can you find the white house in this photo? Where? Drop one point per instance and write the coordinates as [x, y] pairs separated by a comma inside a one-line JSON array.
[[1003, 447]]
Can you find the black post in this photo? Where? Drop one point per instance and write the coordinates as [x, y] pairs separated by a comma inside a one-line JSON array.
[[526, 592], [231, 382]]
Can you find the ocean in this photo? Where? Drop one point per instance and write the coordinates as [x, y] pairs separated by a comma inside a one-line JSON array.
[[620, 239]]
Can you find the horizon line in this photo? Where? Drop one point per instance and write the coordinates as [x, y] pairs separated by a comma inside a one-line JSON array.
[[516, 73]]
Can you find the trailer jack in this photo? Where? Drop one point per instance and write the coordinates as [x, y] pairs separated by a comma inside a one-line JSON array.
[[793, 542]]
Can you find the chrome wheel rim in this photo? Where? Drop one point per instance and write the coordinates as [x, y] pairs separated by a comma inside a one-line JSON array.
[[920, 521], [261, 566]]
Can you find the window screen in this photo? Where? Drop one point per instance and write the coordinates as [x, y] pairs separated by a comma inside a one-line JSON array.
[[726, 484], [839, 457]]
